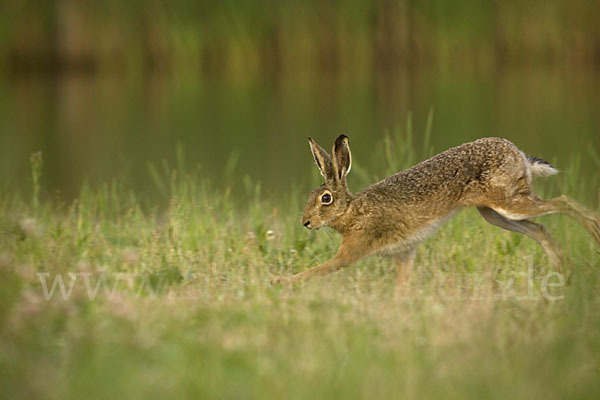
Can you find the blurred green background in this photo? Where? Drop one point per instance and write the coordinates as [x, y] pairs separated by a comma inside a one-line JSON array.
[[103, 88], [227, 91]]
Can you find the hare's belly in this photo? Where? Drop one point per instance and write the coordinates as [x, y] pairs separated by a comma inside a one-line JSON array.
[[411, 239], [395, 249]]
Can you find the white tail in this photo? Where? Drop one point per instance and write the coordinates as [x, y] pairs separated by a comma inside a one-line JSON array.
[[539, 167]]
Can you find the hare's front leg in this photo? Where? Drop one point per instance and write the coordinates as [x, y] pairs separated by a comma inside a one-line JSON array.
[[327, 267], [350, 251], [405, 262]]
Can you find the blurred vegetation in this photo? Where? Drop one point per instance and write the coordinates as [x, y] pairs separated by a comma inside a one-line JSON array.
[[208, 323], [242, 37], [199, 318]]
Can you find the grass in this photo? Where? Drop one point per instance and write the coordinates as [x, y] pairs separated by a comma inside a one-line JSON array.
[[193, 314]]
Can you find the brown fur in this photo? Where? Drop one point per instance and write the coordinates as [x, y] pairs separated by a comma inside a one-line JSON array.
[[394, 215]]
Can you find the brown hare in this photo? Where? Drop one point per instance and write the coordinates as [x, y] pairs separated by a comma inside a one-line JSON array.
[[393, 216]]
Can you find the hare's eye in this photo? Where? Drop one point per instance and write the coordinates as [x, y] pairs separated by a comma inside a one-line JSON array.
[[326, 198]]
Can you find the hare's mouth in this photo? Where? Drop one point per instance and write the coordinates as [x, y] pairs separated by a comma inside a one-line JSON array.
[[310, 226]]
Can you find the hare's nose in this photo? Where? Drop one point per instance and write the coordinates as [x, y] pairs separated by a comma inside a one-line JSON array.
[[306, 224]]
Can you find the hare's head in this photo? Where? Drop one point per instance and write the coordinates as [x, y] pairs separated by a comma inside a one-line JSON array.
[[329, 201]]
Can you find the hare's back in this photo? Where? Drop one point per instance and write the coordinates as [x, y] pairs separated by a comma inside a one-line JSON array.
[[456, 172]]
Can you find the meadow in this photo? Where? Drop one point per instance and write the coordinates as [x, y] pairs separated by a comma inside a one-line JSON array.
[[175, 301]]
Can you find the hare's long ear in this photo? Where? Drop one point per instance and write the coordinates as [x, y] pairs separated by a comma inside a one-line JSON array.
[[322, 159], [342, 159]]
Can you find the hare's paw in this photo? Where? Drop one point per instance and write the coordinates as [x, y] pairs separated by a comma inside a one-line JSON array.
[[280, 280]]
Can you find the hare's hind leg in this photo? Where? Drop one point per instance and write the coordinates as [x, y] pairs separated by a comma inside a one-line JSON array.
[[537, 232], [405, 262], [524, 207], [579, 213]]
